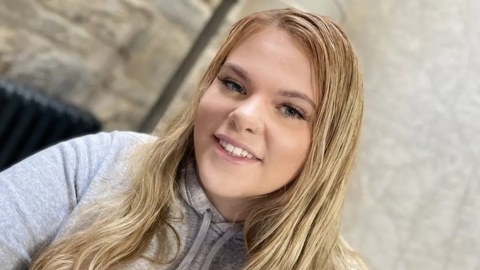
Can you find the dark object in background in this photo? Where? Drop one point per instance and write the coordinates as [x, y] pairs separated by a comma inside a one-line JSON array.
[[160, 106], [31, 121]]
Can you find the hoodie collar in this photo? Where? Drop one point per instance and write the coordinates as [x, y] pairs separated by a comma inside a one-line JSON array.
[[192, 191]]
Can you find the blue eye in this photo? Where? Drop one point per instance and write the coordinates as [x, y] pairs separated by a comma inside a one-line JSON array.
[[291, 111], [233, 85]]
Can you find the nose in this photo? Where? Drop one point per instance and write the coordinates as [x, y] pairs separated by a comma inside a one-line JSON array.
[[247, 117]]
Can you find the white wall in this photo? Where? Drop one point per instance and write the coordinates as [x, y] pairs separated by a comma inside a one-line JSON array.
[[414, 201]]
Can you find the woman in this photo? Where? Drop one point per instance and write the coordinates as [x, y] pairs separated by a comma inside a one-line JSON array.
[[251, 176]]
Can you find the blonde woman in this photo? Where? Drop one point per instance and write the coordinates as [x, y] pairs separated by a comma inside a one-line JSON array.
[[251, 175]]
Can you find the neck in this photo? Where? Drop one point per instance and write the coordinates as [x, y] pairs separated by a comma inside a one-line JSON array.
[[232, 209]]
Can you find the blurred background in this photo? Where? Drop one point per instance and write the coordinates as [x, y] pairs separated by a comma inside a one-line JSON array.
[[72, 67]]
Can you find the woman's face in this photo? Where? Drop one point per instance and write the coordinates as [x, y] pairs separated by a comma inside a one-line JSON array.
[[253, 130]]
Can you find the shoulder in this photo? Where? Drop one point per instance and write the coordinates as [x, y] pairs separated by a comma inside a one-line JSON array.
[[109, 140], [121, 144], [131, 137], [91, 150], [108, 155], [86, 156], [96, 149]]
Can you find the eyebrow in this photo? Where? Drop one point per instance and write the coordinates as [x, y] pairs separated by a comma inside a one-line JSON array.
[[296, 94], [242, 73]]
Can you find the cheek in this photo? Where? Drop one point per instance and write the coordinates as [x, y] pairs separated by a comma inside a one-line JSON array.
[[290, 150], [299, 146], [211, 112]]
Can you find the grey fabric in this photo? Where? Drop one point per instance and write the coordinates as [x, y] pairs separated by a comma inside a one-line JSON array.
[[216, 248], [40, 196], [196, 247], [207, 218]]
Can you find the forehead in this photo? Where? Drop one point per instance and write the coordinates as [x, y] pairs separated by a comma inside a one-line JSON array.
[[271, 56]]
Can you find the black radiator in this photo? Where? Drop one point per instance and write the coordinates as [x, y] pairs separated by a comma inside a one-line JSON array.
[[31, 121]]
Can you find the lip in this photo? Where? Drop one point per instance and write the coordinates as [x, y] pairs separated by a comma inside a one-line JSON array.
[[236, 144], [226, 156]]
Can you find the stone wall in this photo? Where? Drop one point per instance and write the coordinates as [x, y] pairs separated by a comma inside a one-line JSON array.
[[110, 57]]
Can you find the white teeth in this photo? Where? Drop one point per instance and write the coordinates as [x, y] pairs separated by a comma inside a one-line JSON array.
[[235, 151]]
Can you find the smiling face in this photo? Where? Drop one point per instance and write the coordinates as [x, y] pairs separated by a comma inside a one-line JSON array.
[[253, 127]]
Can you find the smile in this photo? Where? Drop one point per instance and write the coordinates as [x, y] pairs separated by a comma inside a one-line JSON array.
[[235, 151]]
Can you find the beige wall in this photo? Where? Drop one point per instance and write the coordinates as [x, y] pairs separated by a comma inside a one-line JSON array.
[[415, 197]]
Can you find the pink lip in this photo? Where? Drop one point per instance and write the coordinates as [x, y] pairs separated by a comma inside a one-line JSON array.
[[236, 144], [223, 154]]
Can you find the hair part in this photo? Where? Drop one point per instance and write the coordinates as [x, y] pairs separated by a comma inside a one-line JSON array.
[[296, 227]]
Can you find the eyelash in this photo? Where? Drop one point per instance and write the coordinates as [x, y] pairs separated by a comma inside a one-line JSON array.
[[226, 81], [298, 111], [300, 114]]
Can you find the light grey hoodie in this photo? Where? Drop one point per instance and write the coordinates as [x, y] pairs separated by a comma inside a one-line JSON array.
[[39, 196]]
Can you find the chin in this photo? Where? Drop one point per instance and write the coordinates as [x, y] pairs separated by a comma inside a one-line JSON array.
[[223, 184], [222, 176]]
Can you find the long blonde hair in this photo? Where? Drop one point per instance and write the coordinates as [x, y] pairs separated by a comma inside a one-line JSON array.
[[296, 227]]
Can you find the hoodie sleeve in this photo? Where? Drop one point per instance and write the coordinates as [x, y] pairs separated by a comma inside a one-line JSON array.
[[37, 194]]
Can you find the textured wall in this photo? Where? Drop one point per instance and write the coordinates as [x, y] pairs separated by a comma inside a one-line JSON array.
[[415, 197], [111, 57]]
